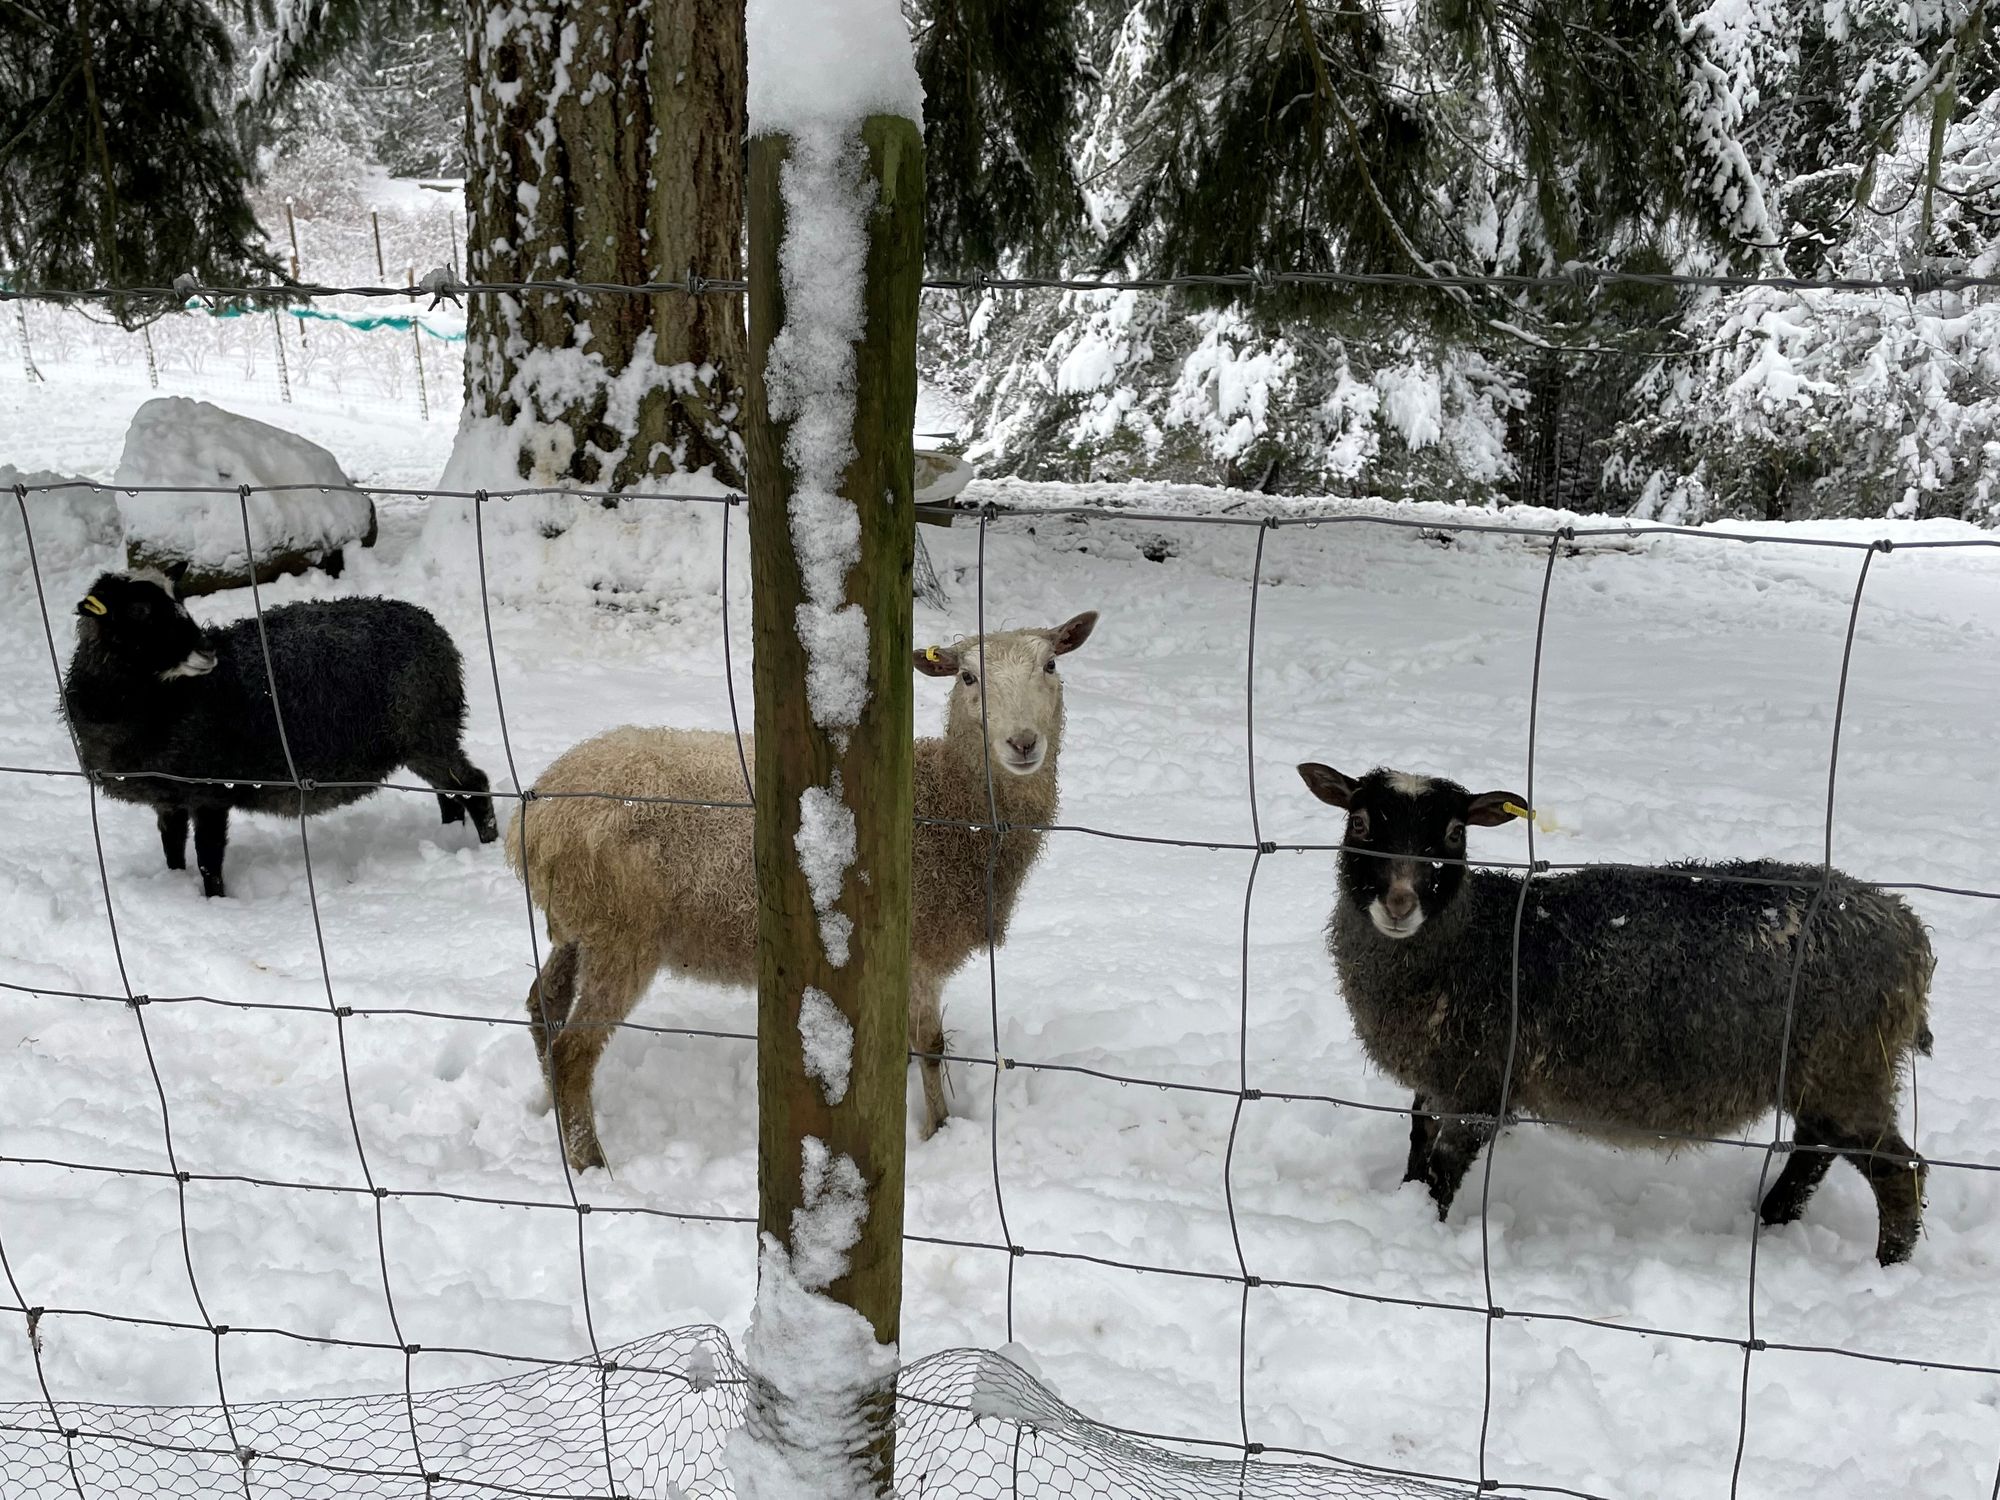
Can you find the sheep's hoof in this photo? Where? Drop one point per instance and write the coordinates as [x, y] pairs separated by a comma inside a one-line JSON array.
[[585, 1155], [1895, 1246], [211, 884]]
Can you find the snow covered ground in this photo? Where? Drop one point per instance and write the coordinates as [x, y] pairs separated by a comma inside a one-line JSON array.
[[1687, 706]]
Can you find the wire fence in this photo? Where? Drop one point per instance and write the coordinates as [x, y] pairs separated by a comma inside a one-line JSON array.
[[634, 1420]]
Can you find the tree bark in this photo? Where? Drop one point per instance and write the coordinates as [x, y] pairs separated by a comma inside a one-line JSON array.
[[604, 142]]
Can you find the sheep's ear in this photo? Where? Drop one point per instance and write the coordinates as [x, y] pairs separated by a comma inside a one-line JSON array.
[[175, 572], [1490, 809], [1328, 784], [1073, 633], [936, 661]]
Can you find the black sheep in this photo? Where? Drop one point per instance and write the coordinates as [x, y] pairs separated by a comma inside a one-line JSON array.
[[1653, 1002], [179, 718]]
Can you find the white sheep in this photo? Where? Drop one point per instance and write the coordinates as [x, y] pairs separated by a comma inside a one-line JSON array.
[[630, 887]]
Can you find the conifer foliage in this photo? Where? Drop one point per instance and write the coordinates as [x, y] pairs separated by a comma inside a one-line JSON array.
[[117, 161]]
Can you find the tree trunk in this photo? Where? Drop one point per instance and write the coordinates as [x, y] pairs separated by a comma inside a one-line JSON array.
[[604, 142]]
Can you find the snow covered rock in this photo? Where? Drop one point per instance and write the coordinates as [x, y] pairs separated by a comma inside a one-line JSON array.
[[175, 441], [75, 534]]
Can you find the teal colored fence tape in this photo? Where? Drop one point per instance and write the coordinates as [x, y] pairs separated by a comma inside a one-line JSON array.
[[367, 323]]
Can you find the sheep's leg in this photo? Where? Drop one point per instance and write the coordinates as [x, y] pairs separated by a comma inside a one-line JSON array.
[[927, 1039], [1896, 1173], [468, 789], [1423, 1135], [1453, 1151], [549, 1001], [1807, 1165], [211, 837], [173, 823], [608, 985]]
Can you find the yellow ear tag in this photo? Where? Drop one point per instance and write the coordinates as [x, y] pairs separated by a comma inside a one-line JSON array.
[[930, 653], [95, 605], [1544, 820]]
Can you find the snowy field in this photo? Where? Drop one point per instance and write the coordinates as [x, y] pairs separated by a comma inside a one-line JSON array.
[[1686, 709]]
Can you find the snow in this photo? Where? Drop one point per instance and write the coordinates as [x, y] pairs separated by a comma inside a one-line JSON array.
[[820, 62], [809, 375], [827, 1040], [1686, 710], [825, 844], [829, 1225], [76, 534], [818, 1363], [174, 441]]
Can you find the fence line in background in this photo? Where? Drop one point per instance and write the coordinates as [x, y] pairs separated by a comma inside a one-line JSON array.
[[441, 283]]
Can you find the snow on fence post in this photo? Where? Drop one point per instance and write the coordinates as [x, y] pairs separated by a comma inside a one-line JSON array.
[[835, 264]]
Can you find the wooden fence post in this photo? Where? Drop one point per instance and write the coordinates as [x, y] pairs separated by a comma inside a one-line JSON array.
[[808, 773]]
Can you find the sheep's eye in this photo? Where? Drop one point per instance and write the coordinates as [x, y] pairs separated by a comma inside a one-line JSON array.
[[968, 679], [1357, 824], [1049, 665], [1454, 832]]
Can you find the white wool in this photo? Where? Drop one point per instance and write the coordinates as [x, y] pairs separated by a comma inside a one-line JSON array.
[[825, 844], [813, 61], [174, 441], [816, 1367], [827, 1039]]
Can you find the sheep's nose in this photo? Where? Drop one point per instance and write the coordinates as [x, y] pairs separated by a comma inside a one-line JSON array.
[[1400, 902], [1023, 745]]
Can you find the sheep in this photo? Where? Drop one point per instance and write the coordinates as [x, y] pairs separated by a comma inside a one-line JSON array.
[[1653, 1002], [177, 717], [629, 887]]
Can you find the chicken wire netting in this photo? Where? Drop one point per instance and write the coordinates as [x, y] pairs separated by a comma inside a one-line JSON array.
[[648, 1423]]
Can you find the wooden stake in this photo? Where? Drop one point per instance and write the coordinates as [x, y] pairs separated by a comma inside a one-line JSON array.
[[292, 226], [27, 354], [871, 761], [417, 343], [278, 341]]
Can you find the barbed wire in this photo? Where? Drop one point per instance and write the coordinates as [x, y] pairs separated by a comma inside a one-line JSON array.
[[1248, 1447], [1296, 513], [440, 285]]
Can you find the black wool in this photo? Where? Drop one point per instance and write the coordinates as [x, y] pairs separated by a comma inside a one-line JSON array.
[[179, 717], [1654, 1004]]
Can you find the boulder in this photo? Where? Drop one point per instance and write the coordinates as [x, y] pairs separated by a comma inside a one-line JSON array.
[[174, 441]]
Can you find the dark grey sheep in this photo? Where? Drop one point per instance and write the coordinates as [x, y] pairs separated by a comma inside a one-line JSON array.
[[1652, 1001], [364, 686]]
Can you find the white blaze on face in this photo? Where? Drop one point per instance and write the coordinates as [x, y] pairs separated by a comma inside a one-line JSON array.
[[1408, 785], [197, 664], [1388, 926]]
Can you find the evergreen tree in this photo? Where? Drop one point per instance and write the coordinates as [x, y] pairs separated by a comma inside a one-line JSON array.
[[1004, 82], [117, 162]]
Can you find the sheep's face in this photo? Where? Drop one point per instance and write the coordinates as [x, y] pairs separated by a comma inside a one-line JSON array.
[[1012, 679], [138, 620], [1402, 856]]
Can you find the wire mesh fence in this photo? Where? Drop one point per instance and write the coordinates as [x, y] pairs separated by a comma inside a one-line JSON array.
[[651, 1418]]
